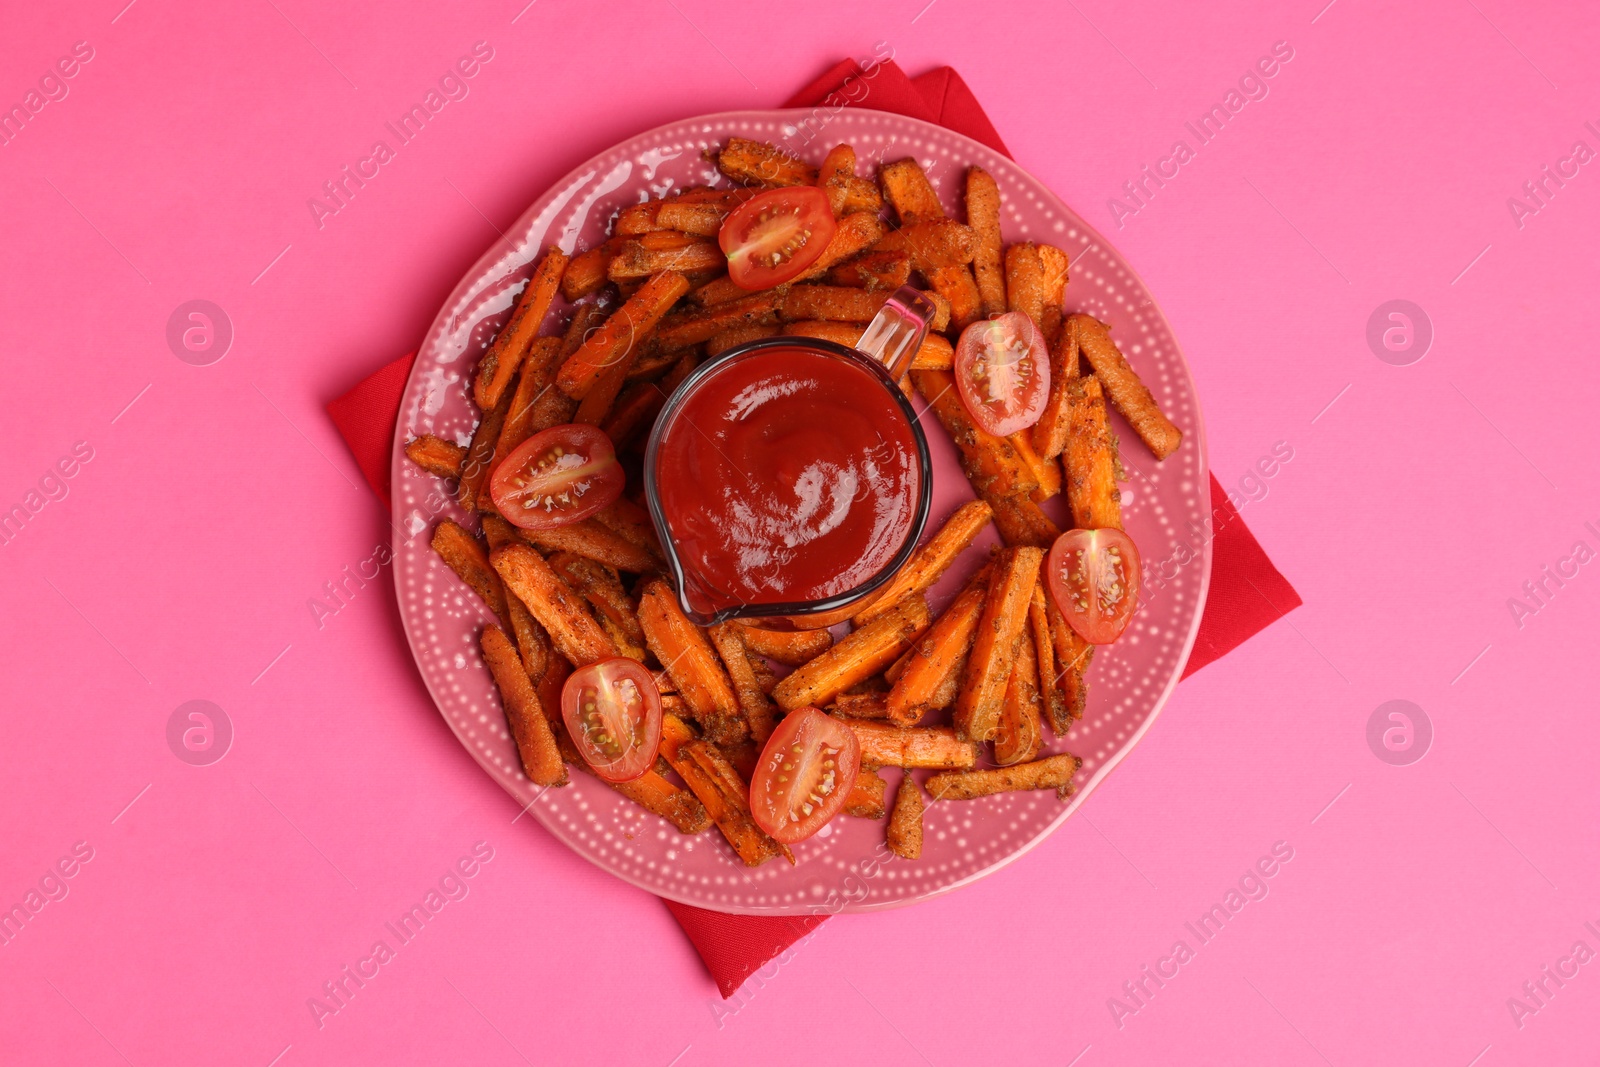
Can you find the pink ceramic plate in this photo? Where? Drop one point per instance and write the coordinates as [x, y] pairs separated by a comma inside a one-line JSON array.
[[846, 868]]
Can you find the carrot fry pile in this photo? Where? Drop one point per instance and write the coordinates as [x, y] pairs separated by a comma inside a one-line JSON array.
[[968, 696]]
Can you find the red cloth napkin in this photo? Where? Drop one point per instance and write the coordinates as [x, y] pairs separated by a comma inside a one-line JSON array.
[[1247, 592]]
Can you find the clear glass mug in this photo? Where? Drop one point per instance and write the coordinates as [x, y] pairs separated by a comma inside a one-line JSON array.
[[884, 352]]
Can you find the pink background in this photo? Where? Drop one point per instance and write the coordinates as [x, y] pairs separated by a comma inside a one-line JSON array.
[[180, 563]]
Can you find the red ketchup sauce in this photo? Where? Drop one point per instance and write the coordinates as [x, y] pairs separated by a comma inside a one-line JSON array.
[[788, 475]]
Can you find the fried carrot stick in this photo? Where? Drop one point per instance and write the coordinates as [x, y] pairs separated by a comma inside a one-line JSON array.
[[957, 287], [552, 601], [1073, 655], [928, 565], [907, 189], [764, 674], [538, 375], [835, 303], [865, 799], [991, 463], [630, 522], [935, 353], [734, 336], [752, 698], [994, 649], [536, 743], [630, 326], [983, 215], [501, 362], [904, 835], [1052, 772], [1046, 471], [475, 468], [1054, 266], [1091, 459], [938, 655], [590, 539], [789, 647], [693, 327], [726, 798], [1051, 431], [637, 259], [1020, 737], [873, 270], [688, 657], [856, 233], [613, 608], [1022, 523], [586, 273], [931, 245], [1053, 697], [758, 163], [1122, 384], [657, 795], [436, 455], [846, 192], [860, 705], [721, 290], [1025, 281], [858, 657], [532, 642], [912, 746], [463, 554], [636, 413]]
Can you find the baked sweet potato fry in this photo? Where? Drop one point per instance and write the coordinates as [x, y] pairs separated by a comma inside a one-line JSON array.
[[591, 539], [688, 657], [994, 648], [730, 646], [929, 563], [758, 163], [873, 270], [858, 657], [480, 454], [789, 647], [865, 799], [931, 245], [711, 778], [630, 326], [436, 455], [573, 631], [536, 742], [904, 835], [1020, 736], [912, 746], [1052, 772], [991, 463], [983, 215], [463, 554], [500, 363], [1052, 696], [1091, 459], [938, 655], [1025, 281], [1051, 431], [1126, 390]]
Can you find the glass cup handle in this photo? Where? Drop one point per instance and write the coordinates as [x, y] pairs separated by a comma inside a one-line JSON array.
[[894, 335]]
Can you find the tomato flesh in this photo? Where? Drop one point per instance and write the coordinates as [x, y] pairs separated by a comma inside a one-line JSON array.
[[1093, 577], [805, 773], [776, 235], [556, 477], [613, 714], [1003, 373]]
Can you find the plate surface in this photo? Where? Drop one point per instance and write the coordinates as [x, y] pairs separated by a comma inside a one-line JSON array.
[[847, 867]]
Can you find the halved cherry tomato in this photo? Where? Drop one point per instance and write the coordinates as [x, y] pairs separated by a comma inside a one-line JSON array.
[[1093, 576], [613, 713], [557, 476], [775, 235], [1003, 372], [807, 769]]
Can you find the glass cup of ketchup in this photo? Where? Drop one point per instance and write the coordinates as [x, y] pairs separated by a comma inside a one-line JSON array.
[[788, 477]]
